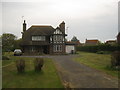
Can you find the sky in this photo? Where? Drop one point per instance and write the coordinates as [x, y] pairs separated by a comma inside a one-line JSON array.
[[85, 19]]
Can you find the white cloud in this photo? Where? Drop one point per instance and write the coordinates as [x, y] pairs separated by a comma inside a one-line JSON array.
[[85, 18]]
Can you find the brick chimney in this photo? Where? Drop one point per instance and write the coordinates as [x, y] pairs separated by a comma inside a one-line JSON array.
[[24, 26], [62, 26]]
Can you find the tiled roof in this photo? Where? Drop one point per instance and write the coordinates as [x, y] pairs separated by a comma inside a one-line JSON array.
[[92, 41], [41, 30], [37, 30]]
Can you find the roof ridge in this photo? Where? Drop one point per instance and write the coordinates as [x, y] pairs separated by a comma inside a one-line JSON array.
[[41, 25], [92, 40]]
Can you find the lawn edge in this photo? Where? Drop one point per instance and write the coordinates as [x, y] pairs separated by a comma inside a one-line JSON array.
[[74, 59]]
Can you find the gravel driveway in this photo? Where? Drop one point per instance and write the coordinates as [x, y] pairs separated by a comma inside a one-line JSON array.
[[80, 76]]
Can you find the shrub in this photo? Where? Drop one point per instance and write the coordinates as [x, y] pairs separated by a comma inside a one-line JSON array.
[[115, 59], [20, 64], [97, 48], [5, 57], [38, 64]]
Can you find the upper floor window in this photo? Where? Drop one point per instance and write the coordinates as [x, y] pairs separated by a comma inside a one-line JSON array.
[[57, 32], [38, 38]]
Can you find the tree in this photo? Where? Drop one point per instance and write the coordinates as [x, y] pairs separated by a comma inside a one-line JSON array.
[[17, 43], [8, 41], [74, 39]]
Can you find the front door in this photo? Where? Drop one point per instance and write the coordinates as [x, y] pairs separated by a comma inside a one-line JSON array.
[[46, 49]]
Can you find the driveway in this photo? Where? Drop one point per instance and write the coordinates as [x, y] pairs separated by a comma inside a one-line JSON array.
[[77, 75]]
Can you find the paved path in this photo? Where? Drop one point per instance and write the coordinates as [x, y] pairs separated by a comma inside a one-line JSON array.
[[81, 76]]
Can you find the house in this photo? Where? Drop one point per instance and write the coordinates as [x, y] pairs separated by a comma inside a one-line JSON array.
[[118, 38], [44, 39], [92, 42], [111, 42]]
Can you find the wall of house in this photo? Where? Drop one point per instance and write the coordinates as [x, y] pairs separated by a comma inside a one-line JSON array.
[[70, 48]]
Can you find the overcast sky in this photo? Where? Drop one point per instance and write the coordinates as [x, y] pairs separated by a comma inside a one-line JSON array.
[[91, 19]]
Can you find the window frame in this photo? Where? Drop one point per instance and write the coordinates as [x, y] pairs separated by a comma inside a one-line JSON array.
[[38, 38]]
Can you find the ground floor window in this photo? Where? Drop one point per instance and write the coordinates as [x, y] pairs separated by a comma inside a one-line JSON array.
[[32, 49], [57, 48]]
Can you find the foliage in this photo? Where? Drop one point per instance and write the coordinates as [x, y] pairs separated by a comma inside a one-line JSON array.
[[8, 41], [20, 64], [17, 44], [97, 48], [115, 59], [38, 64]]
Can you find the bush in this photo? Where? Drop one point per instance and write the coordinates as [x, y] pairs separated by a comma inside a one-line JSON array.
[[38, 64], [20, 64], [115, 59], [97, 48], [5, 57]]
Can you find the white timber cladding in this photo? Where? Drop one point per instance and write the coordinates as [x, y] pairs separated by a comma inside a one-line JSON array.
[[57, 31], [69, 48], [38, 38], [58, 39]]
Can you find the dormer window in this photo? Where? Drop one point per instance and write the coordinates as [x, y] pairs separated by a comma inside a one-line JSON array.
[[38, 38]]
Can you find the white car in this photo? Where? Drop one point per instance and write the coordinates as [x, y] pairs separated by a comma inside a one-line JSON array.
[[17, 52]]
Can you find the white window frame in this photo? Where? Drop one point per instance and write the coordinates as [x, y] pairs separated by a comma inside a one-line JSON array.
[[57, 48], [38, 38]]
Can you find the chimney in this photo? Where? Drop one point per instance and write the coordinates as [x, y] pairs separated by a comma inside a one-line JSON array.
[[24, 26], [62, 26]]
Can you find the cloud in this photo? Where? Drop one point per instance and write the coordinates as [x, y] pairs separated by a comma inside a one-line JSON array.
[[85, 18]]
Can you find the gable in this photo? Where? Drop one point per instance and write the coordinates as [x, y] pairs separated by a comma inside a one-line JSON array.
[[57, 31]]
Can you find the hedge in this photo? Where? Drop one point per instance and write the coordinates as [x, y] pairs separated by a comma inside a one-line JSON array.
[[97, 48]]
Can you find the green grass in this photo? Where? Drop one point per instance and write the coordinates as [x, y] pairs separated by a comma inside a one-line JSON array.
[[47, 78], [98, 61]]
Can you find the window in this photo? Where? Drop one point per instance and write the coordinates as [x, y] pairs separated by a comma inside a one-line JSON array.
[[58, 38], [51, 38], [57, 48], [38, 38]]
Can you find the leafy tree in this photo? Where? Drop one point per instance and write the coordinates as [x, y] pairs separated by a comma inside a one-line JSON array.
[[17, 44], [74, 39], [8, 41]]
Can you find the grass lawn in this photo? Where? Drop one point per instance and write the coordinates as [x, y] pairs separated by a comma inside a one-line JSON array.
[[98, 61], [47, 78]]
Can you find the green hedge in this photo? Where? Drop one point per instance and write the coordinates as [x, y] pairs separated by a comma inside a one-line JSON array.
[[96, 48]]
